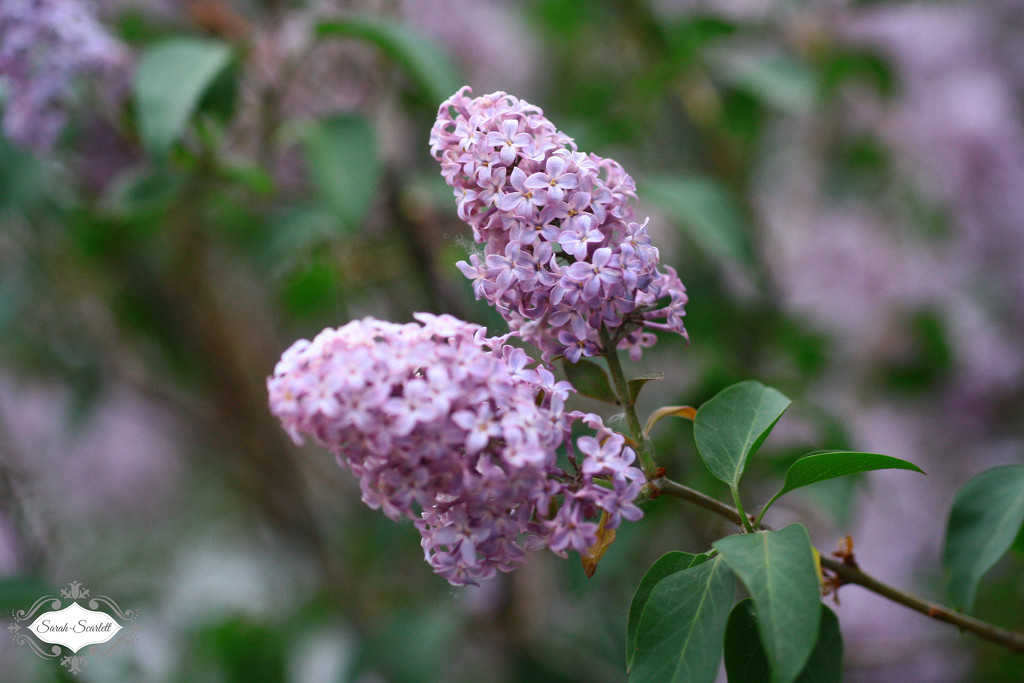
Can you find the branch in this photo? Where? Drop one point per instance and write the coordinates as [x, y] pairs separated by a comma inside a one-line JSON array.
[[674, 488], [849, 572]]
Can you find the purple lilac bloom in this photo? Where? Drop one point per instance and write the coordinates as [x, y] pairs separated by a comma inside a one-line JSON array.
[[563, 220], [458, 432], [46, 47]]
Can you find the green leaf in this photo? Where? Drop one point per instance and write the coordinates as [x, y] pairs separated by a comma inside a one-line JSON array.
[[342, 161], [731, 426], [313, 290], [590, 379], [679, 638], [987, 515], [826, 662], [667, 564], [23, 179], [779, 81], [169, 83], [20, 592], [862, 66], [778, 569], [816, 467], [706, 209], [1018, 543], [747, 662], [144, 195], [249, 175], [427, 63], [637, 383], [745, 658], [220, 99]]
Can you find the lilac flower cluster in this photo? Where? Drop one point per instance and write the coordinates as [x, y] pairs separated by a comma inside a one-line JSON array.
[[460, 433], [46, 47], [563, 254]]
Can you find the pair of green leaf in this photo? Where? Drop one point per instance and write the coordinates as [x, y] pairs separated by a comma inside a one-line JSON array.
[[341, 152], [172, 79], [778, 568], [731, 426], [987, 515], [175, 75], [679, 614]]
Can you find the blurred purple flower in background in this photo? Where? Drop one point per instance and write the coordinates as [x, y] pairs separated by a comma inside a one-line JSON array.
[[47, 49]]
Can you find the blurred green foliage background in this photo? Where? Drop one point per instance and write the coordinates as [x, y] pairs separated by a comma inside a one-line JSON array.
[[839, 185]]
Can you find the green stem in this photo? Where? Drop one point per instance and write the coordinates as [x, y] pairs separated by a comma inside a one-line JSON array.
[[760, 516], [739, 508], [849, 572], [611, 355]]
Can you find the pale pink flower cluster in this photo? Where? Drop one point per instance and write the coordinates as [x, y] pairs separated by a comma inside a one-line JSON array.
[[460, 433], [563, 254]]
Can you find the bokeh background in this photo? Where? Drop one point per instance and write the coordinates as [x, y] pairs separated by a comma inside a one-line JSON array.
[[186, 187]]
